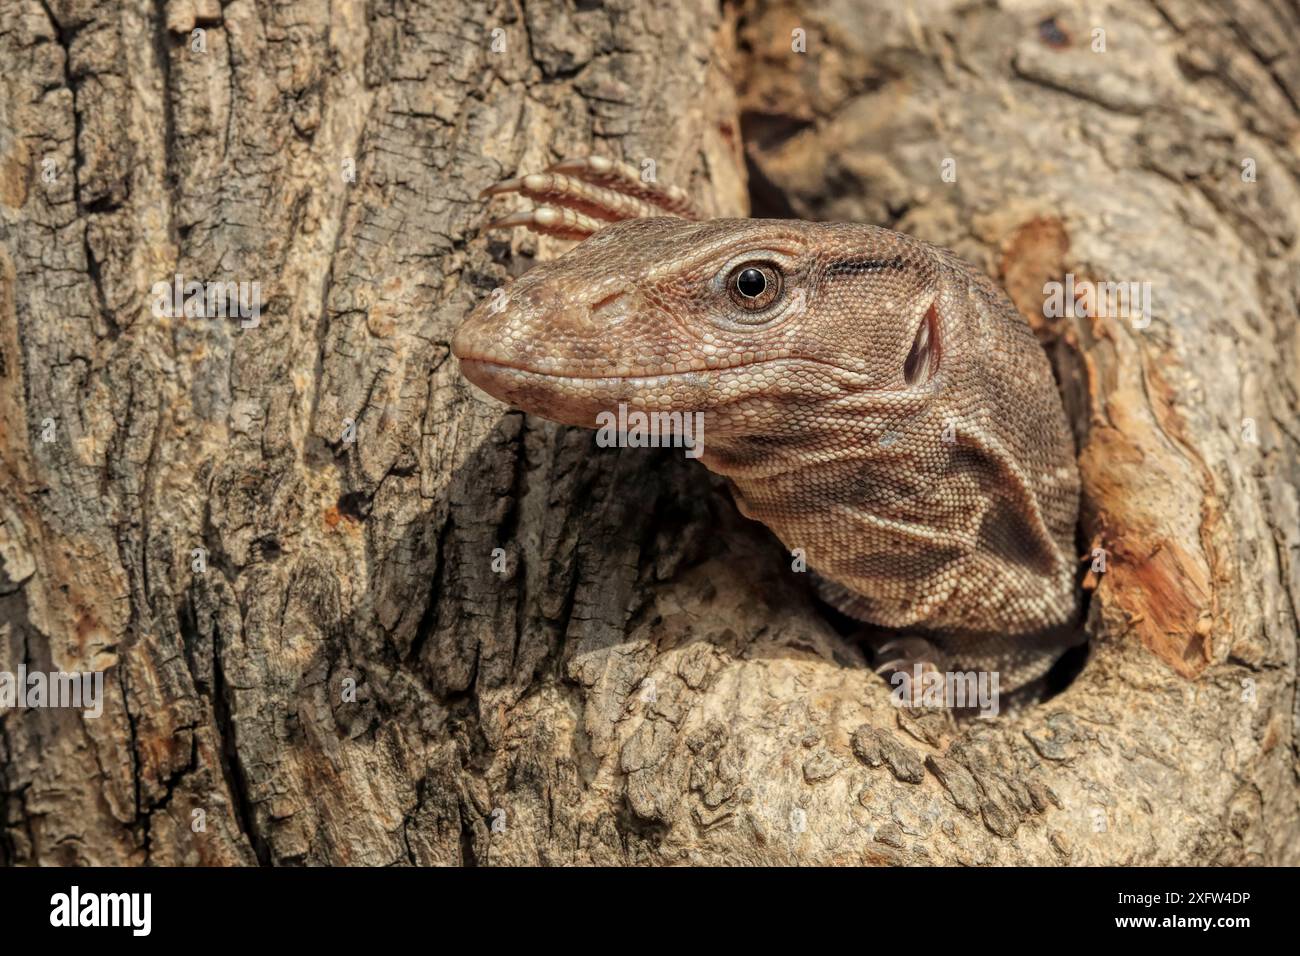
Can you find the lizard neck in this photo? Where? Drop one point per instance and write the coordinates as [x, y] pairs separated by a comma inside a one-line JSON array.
[[900, 536]]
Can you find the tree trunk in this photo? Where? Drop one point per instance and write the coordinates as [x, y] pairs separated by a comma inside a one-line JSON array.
[[349, 610]]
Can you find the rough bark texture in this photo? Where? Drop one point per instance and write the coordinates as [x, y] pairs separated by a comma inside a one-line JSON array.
[[646, 681]]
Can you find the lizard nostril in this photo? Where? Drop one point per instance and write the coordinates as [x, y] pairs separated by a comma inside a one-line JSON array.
[[606, 301], [610, 309]]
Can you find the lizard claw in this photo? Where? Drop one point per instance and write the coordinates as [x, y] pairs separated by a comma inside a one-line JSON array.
[[549, 221], [901, 655], [505, 186]]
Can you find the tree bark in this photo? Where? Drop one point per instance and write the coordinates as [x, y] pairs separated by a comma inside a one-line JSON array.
[[351, 611]]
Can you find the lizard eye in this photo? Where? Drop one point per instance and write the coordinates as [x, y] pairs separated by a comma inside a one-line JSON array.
[[754, 285]]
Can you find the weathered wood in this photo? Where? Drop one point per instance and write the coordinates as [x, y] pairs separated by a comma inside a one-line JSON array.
[[646, 681]]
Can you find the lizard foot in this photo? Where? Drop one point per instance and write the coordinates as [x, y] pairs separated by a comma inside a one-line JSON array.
[[902, 655], [581, 196]]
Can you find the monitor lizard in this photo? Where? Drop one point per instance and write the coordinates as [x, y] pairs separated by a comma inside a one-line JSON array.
[[872, 398]]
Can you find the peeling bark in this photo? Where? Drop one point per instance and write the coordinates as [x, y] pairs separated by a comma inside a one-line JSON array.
[[359, 676]]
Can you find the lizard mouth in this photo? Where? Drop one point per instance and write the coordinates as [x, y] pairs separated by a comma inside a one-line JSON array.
[[472, 365], [493, 366], [569, 400], [577, 399]]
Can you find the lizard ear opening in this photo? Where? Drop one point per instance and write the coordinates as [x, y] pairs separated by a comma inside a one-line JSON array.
[[922, 362]]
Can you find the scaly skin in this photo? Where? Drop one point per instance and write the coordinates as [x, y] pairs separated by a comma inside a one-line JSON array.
[[888, 411]]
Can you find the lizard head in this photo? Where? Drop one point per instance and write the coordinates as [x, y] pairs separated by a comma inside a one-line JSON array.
[[871, 399], [755, 323]]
